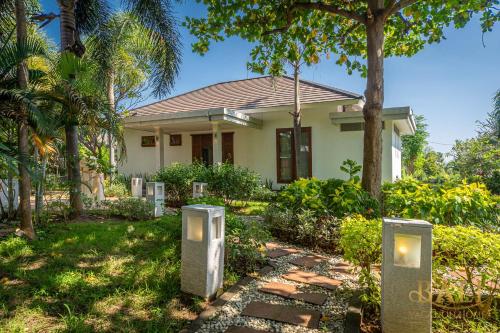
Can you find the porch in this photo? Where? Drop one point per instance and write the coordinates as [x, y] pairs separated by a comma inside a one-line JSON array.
[[211, 132]]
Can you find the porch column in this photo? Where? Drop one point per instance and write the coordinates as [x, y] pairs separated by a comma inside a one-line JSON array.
[[217, 143], [159, 149]]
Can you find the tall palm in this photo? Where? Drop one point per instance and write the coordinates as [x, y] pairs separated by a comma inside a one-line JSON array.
[[120, 43], [23, 130], [15, 101], [84, 16]]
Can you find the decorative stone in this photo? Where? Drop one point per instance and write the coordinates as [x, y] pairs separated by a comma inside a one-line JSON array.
[[307, 261], [283, 313], [290, 291], [312, 278], [242, 329], [276, 253], [202, 256]]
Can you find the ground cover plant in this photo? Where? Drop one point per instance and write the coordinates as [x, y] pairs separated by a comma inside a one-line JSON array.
[[107, 276]]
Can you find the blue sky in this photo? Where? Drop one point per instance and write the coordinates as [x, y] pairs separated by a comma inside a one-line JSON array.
[[451, 83]]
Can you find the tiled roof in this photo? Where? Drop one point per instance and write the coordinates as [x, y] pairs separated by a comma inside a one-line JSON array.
[[261, 92]]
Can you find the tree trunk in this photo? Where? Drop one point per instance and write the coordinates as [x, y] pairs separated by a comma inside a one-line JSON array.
[[69, 43], [23, 131], [372, 110], [110, 87], [10, 195], [297, 131], [40, 189]]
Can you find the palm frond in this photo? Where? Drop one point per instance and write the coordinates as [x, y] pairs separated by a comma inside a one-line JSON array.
[[13, 54], [160, 29], [91, 15]]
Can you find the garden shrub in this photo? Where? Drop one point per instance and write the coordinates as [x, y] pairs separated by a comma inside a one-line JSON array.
[[303, 194], [475, 255], [361, 241], [303, 227], [115, 189], [225, 180], [245, 244], [132, 209], [466, 250], [331, 197], [232, 182], [350, 198], [448, 204], [178, 179]]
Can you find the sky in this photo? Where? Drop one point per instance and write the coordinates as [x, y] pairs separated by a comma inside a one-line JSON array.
[[451, 83]]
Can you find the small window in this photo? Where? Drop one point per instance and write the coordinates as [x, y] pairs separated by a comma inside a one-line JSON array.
[[352, 127], [148, 141], [175, 139]]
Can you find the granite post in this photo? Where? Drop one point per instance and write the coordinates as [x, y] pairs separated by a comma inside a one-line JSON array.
[[406, 276]]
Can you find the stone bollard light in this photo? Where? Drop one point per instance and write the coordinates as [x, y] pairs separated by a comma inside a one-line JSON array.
[[155, 193], [202, 258], [137, 187], [406, 276], [199, 189]]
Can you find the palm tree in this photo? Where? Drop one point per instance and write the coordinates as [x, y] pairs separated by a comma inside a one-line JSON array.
[[16, 98], [120, 48], [23, 130], [84, 16]]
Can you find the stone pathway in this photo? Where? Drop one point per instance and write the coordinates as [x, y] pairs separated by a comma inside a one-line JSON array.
[[310, 298]]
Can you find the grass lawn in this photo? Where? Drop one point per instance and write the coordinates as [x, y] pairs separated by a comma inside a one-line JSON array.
[[249, 207], [95, 277]]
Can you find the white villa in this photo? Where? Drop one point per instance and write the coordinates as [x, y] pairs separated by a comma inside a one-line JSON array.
[[248, 123]]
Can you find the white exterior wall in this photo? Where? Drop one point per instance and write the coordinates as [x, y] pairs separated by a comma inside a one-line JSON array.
[[396, 155], [256, 148]]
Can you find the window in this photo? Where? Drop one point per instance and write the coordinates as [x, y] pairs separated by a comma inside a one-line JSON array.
[[285, 155], [148, 141], [351, 127], [175, 139]]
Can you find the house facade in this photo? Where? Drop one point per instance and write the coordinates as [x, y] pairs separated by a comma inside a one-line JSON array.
[[248, 123]]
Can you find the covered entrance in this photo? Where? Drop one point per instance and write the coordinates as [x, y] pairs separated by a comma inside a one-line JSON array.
[[202, 148]]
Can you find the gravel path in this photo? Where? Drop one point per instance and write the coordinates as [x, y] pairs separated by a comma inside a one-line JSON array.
[[333, 310]]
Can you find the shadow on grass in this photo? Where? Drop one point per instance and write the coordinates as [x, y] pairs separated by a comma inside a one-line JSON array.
[[96, 277]]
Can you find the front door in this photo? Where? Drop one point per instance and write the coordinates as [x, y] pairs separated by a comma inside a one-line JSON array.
[[202, 148]]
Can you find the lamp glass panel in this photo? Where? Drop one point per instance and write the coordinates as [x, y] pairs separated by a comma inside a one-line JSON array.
[[195, 228], [151, 190], [197, 188], [407, 250], [216, 227]]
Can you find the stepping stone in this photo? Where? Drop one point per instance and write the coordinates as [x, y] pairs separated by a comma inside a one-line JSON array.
[[312, 278], [242, 329], [276, 253], [344, 269], [283, 313], [307, 261], [290, 291]]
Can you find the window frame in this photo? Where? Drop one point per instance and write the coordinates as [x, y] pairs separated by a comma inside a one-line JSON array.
[[305, 130]]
